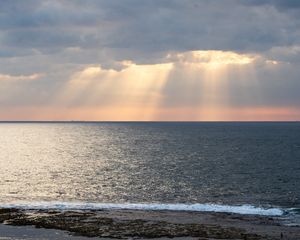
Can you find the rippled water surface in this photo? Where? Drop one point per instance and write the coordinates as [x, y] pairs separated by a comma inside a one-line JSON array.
[[224, 163]]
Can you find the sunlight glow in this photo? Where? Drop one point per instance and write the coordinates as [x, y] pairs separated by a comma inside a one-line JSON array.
[[188, 86], [132, 93], [213, 58], [213, 68]]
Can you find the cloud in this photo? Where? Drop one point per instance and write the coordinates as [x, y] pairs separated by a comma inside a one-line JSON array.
[[133, 29], [290, 54], [212, 57], [280, 4], [7, 77]]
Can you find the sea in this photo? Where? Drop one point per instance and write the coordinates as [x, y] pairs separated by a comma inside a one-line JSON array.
[[234, 167]]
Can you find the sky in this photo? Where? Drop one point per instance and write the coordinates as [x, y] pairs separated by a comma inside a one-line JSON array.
[[150, 60]]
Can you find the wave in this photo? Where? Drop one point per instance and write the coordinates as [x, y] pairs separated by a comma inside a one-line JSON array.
[[242, 209]]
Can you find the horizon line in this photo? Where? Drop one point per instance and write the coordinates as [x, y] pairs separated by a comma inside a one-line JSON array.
[[148, 121]]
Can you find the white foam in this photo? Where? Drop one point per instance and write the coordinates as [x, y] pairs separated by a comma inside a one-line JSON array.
[[243, 209]]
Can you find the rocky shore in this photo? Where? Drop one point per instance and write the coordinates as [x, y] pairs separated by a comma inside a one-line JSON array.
[[124, 224]]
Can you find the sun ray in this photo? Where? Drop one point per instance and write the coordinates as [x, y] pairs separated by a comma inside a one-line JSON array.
[[132, 92], [211, 69], [205, 86]]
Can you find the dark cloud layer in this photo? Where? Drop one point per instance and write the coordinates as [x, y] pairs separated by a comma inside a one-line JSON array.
[[145, 26]]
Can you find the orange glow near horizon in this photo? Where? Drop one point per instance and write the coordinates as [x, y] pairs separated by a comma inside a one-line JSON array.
[[112, 114]]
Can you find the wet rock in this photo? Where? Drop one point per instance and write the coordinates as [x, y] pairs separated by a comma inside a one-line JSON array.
[[94, 224]]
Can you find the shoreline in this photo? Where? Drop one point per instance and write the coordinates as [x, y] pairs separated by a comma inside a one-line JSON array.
[[124, 224], [246, 209]]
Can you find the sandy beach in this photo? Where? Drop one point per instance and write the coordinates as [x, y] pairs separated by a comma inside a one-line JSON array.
[[124, 224]]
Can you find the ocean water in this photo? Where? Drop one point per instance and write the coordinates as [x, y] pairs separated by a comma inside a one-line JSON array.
[[233, 167]]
